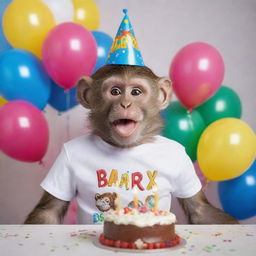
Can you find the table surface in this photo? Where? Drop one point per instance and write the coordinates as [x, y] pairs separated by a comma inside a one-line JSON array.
[[78, 240]]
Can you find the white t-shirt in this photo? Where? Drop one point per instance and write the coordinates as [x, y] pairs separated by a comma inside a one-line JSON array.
[[95, 171]]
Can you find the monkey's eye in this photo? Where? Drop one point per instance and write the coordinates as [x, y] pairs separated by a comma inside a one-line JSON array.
[[115, 91], [136, 91]]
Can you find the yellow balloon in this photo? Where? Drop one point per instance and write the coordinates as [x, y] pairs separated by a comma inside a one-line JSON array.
[[26, 24], [226, 149], [86, 13], [2, 101]]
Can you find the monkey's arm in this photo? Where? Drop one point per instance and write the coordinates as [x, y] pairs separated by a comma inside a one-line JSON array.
[[49, 210], [200, 211]]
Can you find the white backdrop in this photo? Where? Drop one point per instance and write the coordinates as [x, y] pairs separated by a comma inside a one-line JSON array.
[[162, 27]]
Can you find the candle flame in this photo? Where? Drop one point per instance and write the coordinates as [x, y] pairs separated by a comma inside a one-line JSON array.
[[135, 190], [155, 189]]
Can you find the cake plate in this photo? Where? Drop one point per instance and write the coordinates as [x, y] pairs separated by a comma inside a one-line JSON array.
[[169, 249]]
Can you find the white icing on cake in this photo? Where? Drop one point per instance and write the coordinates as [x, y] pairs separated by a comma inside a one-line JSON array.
[[139, 219]]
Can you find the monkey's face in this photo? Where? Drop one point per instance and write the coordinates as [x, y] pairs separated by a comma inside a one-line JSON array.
[[125, 104], [103, 204], [128, 106]]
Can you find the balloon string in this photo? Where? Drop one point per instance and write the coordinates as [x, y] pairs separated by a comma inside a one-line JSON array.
[[68, 95], [41, 162]]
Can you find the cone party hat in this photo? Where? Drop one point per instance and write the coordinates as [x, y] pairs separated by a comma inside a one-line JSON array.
[[125, 50]]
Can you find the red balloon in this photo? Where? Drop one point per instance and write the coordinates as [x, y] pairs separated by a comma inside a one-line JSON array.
[[69, 52], [24, 131], [197, 72]]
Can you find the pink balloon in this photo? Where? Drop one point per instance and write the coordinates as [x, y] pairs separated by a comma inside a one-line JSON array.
[[24, 131], [197, 71], [69, 52]]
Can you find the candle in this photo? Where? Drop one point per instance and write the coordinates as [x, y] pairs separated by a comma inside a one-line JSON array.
[[156, 199], [135, 196], [118, 207]]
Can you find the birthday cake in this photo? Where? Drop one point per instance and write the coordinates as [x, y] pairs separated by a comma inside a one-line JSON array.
[[139, 228]]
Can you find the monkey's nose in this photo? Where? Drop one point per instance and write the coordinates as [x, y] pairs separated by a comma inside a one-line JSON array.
[[125, 104]]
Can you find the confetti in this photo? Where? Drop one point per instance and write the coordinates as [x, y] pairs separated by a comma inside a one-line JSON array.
[[73, 234], [10, 235], [229, 241], [217, 234]]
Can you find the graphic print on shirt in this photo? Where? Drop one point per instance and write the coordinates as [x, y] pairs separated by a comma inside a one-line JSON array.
[[125, 180], [105, 201]]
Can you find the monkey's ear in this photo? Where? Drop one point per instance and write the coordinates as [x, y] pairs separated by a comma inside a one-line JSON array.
[[97, 196], [84, 91], [165, 92], [114, 195]]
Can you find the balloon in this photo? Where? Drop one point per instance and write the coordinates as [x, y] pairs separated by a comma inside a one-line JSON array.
[[4, 45], [197, 71], [226, 149], [23, 77], [238, 196], [69, 52], [86, 13], [225, 103], [2, 101], [24, 131], [26, 24], [61, 100], [184, 127], [200, 175], [62, 10], [104, 43]]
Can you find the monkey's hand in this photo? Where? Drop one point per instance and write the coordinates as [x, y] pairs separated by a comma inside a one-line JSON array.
[[49, 210], [200, 211]]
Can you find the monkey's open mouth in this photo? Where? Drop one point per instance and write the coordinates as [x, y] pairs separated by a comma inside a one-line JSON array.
[[124, 127]]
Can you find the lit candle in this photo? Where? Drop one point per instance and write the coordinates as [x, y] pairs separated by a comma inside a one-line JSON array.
[[118, 207], [135, 196], [156, 199]]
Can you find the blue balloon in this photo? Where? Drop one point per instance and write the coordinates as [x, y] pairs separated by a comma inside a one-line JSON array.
[[4, 45], [62, 100], [23, 77], [238, 196], [104, 43]]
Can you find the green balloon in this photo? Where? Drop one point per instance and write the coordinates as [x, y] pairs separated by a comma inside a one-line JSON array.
[[183, 127], [224, 103]]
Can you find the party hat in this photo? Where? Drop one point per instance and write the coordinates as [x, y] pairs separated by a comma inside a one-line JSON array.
[[125, 50]]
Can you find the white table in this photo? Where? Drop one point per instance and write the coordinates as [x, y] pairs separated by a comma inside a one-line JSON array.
[[76, 240]]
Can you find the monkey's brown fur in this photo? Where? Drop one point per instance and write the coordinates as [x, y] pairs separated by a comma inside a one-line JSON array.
[[145, 111]]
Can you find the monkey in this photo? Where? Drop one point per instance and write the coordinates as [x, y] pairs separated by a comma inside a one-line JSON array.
[[124, 105], [49, 210], [105, 201]]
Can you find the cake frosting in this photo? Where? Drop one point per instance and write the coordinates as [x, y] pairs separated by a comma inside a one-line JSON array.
[[140, 218], [139, 228]]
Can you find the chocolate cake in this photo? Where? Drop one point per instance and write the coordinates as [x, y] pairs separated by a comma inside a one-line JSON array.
[[139, 228]]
